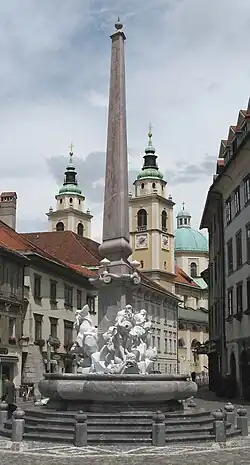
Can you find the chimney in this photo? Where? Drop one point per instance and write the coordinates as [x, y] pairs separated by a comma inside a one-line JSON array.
[[8, 208]]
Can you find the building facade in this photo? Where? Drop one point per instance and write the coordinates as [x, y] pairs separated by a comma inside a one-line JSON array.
[[231, 191], [69, 214], [12, 311], [151, 222]]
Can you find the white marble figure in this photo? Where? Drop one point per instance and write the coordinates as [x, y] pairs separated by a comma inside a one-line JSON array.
[[127, 347]]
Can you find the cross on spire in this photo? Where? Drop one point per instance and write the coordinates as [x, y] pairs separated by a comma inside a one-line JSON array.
[[71, 152], [183, 205]]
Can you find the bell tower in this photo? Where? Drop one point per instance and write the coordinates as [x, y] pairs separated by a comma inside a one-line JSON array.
[[151, 221], [69, 214]]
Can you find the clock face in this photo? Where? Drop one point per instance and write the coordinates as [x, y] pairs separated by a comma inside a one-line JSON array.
[[141, 241], [164, 242]]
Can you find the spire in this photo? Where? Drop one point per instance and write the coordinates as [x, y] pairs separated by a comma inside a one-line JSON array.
[[150, 168], [70, 184], [116, 218]]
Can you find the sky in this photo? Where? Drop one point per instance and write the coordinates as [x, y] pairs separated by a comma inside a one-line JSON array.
[[187, 73]]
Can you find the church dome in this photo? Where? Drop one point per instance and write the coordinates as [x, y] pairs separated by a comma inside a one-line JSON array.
[[186, 238], [150, 173], [190, 240], [70, 189]]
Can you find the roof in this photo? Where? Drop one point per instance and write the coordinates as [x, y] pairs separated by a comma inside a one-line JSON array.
[[9, 194], [16, 242], [67, 246], [183, 278], [196, 316], [190, 240], [201, 283], [79, 251]]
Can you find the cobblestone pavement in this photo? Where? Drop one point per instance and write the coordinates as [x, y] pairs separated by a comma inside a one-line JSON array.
[[32, 453]]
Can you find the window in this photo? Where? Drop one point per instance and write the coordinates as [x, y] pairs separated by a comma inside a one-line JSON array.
[[238, 239], [79, 201], [248, 242], [166, 345], [141, 263], [158, 344], [53, 285], [153, 341], [239, 297], [237, 201], [12, 328], [248, 294], [153, 185], [247, 189], [80, 229], [193, 269], [53, 327], [180, 221], [60, 226], [230, 261], [68, 296], [68, 333], [181, 343], [164, 218], [70, 200], [142, 220], [142, 185], [37, 286], [79, 299], [230, 302], [228, 210], [38, 327], [91, 304]]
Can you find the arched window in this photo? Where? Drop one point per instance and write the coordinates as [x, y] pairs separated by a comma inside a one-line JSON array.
[[60, 200], [153, 185], [70, 200], [142, 185], [80, 229], [60, 226], [142, 220], [193, 269], [164, 218], [181, 343]]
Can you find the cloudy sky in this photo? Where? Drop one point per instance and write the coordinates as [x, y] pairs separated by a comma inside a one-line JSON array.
[[188, 73]]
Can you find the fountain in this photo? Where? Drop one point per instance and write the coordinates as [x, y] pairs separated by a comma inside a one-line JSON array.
[[118, 377]]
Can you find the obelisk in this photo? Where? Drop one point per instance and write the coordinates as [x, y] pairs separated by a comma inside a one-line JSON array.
[[115, 238], [115, 247]]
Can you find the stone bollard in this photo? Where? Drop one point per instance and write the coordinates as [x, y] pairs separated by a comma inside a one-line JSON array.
[[3, 413], [219, 427], [230, 414], [81, 438], [18, 420], [242, 421], [158, 430]]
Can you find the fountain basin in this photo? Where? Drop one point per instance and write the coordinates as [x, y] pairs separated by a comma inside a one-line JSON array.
[[98, 392]]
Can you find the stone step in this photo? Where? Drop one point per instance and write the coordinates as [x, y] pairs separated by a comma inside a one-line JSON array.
[[91, 429]]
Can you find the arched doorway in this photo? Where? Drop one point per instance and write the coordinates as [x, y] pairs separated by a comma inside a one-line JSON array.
[[244, 374], [233, 374]]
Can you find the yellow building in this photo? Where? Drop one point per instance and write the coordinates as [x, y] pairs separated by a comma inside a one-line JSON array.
[[151, 222], [69, 214]]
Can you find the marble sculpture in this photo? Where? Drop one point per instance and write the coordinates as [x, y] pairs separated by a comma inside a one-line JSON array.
[[127, 344]]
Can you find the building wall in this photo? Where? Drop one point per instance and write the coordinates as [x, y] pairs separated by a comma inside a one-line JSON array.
[[162, 313], [184, 260], [50, 313]]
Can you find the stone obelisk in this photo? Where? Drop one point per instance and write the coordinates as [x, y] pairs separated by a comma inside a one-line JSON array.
[[115, 248]]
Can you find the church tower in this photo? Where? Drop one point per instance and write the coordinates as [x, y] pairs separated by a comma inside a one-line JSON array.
[[69, 214], [151, 222]]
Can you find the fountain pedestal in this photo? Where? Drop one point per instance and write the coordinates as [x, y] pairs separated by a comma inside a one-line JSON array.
[[116, 392]]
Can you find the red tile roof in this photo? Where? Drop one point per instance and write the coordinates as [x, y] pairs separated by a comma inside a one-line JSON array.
[[18, 243], [183, 278], [67, 246]]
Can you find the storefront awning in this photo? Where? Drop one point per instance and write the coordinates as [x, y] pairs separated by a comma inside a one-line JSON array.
[[8, 359]]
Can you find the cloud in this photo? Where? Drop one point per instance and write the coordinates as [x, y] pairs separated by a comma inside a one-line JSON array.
[[55, 61]]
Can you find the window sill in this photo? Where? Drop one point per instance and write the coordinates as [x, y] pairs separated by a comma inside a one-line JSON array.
[[68, 306]]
